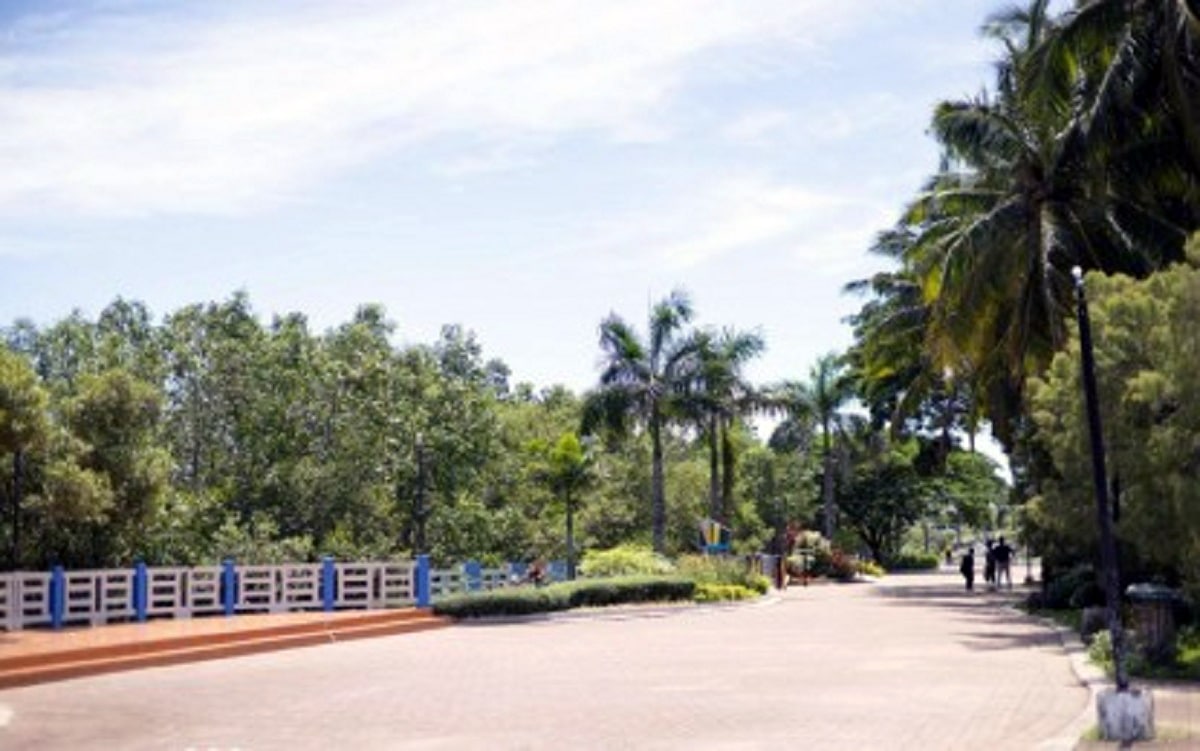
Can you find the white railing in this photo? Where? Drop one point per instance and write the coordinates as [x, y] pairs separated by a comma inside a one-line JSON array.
[[167, 592], [33, 599], [97, 597], [204, 591], [397, 584]]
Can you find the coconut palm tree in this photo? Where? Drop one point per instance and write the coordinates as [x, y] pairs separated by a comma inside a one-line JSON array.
[[1021, 199], [717, 397], [643, 381], [817, 403]]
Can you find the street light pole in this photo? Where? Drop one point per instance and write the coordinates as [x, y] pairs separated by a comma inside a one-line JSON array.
[[1108, 545]]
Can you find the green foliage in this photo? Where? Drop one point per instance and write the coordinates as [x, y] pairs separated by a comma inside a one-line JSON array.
[[1145, 340], [912, 562], [870, 568], [624, 560], [720, 570], [708, 592], [884, 497], [830, 563], [567, 595]]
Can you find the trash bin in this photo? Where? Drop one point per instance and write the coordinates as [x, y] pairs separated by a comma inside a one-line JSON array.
[[1153, 616]]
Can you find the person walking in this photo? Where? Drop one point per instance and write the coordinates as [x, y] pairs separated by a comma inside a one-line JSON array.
[[967, 568], [1003, 554], [989, 564]]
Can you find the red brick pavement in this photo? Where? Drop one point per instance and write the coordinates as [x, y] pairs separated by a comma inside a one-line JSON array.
[[910, 663]]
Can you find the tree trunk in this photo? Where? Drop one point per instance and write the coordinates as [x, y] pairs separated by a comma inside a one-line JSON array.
[[714, 472], [728, 471], [570, 538], [657, 486], [827, 484]]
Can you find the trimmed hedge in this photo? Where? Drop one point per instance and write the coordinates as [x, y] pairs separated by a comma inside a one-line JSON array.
[[724, 593], [566, 595]]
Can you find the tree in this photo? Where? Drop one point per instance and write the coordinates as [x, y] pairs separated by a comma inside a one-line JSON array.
[[116, 417], [23, 427], [642, 382], [567, 472], [719, 396], [884, 497], [818, 403], [1028, 190], [1146, 344]]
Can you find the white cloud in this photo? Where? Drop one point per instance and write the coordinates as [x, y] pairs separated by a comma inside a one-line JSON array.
[[197, 111], [757, 126], [822, 230]]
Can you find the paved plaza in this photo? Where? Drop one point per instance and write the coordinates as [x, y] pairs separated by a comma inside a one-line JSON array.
[[908, 663]]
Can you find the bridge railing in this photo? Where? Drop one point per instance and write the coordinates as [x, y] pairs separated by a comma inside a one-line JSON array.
[[95, 597]]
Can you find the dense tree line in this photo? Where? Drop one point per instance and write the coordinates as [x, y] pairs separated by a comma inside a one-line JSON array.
[[210, 434]]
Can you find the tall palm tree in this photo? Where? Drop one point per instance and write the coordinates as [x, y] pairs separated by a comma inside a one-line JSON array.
[[643, 381], [718, 396], [1021, 199], [818, 402]]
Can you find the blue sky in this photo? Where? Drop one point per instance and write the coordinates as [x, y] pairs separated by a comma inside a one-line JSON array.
[[522, 168]]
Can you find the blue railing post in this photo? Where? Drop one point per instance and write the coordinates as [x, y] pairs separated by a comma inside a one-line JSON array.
[[422, 574], [473, 573], [58, 596], [141, 591], [327, 572], [228, 586]]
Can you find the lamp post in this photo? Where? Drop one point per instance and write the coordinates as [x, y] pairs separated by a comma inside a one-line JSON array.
[[1108, 546]]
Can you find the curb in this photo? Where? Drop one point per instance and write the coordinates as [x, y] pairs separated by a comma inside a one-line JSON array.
[[1086, 674], [621, 612]]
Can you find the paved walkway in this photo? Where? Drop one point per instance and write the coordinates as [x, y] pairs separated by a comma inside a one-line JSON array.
[[910, 663]]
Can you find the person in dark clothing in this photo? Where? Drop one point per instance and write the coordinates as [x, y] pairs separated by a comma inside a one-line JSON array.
[[967, 568], [989, 564], [1003, 554]]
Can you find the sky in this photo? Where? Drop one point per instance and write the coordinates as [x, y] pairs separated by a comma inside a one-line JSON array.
[[520, 168]]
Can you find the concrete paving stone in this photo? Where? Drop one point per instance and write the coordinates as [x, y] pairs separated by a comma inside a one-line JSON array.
[[911, 662]]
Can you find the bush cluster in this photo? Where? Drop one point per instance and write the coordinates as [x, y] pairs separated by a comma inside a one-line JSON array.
[[870, 568], [708, 592], [713, 570], [913, 562], [564, 596], [1075, 587], [829, 563], [624, 560]]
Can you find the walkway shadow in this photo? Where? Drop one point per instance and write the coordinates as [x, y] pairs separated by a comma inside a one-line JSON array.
[[988, 617]]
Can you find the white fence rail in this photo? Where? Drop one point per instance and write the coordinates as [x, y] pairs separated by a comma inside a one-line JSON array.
[[95, 597]]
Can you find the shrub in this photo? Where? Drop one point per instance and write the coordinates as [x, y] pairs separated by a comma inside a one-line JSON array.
[[514, 601], [833, 564], [1060, 589], [624, 560], [913, 562], [582, 593], [722, 570], [723, 593], [1089, 594], [870, 568]]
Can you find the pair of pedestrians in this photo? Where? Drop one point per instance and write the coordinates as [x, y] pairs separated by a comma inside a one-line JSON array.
[[997, 566]]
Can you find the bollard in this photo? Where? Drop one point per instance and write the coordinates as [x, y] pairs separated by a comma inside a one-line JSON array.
[[422, 583], [327, 592], [141, 591], [228, 586], [58, 596]]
